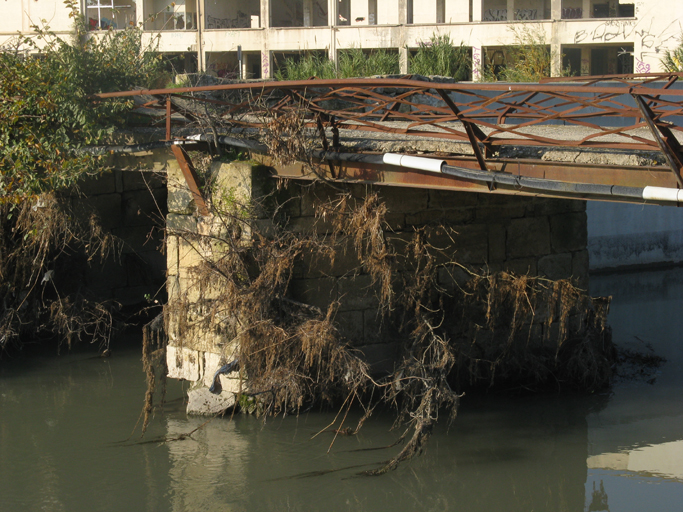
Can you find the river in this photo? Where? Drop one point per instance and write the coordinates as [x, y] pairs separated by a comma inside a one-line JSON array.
[[65, 422]]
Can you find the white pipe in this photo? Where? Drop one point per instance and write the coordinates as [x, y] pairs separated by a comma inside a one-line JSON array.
[[413, 162], [663, 194]]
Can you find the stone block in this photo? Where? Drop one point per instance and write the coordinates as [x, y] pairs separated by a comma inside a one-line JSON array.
[[447, 199], [580, 267], [313, 197], [230, 186], [108, 208], [395, 221], [569, 232], [189, 257], [377, 329], [522, 266], [345, 261], [542, 206], [102, 183], [511, 210], [310, 225], [357, 293], [142, 208], [404, 200], [181, 223], [497, 243], [201, 401], [453, 216], [184, 363], [381, 357], [453, 277], [350, 325], [141, 180], [172, 255], [471, 244], [528, 237], [555, 266], [315, 292]]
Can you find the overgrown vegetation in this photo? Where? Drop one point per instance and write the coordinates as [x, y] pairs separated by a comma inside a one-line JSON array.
[[46, 118], [673, 59], [353, 62], [439, 56], [528, 59]]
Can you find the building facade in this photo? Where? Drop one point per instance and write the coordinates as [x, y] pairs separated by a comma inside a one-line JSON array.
[[250, 38]]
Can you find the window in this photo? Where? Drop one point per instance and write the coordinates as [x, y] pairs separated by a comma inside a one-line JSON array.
[[106, 14]]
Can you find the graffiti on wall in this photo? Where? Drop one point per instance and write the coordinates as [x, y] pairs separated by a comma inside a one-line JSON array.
[[649, 43], [642, 67], [526, 14], [241, 21], [265, 64], [572, 13], [495, 15], [476, 63]]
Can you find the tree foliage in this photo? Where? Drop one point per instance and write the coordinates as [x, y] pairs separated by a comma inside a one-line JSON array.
[[46, 111]]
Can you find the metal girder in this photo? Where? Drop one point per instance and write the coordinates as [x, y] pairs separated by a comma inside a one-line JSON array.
[[191, 178], [363, 172]]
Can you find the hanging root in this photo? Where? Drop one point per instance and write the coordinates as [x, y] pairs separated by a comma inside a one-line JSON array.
[[154, 342], [44, 244]]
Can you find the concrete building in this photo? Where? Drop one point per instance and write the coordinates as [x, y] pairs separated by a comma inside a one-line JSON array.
[[590, 36]]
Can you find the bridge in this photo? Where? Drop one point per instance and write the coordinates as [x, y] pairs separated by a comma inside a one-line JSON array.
[[480, 172], [543, 139]]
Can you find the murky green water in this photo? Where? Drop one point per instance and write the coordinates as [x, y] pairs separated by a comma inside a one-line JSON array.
[[63, 421]]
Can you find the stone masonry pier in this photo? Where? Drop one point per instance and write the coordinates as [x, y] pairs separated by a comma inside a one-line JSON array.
[[524, 235]]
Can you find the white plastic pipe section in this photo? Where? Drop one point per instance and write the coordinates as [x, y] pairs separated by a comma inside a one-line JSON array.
[[672, 195], [413, 162]]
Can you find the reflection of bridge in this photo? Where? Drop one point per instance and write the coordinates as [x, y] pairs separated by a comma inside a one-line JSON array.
[[546, 139]]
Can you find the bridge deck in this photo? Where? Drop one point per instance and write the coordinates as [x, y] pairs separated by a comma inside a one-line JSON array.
[[620, 131]]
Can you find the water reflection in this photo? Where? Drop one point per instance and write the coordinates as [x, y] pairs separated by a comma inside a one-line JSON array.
[[62, 420]]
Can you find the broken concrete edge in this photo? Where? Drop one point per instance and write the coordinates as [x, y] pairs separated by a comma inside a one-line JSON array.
[[199, 368]]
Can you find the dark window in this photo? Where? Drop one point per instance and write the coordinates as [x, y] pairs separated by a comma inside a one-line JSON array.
[[626, 11], [601, 10], [571, 60], [599, 61]]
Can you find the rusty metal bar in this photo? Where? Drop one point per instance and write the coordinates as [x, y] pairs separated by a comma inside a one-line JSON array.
[[474, 133], [168, 117], [190, 175], [492, 114], [666, 140]]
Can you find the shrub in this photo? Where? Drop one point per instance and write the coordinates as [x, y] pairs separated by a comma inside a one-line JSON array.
[[673, 60], [527, 60], [357, 63], [439, 56]]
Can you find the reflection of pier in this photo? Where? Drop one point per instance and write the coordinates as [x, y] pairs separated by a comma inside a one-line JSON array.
[[663, 460]]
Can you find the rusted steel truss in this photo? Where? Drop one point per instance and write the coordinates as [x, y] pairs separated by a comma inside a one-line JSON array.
[[628, 112]]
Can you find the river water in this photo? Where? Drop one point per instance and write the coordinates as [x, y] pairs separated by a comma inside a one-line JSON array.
[[64, 424]]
